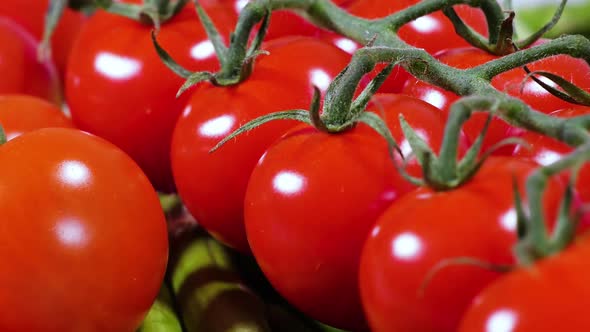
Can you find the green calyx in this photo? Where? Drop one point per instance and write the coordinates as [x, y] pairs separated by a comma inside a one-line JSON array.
[[569, 91], [349, 113], [535, 241], [502, 38], [237, 59], [445, 172]]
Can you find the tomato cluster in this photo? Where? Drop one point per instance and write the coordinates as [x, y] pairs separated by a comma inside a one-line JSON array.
[[96, 132]]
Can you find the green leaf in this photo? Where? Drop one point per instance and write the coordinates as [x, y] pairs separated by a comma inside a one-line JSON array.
[[168, 60], [571, 93], [299, 115], [212, 33], [420, 148], [193, 79]]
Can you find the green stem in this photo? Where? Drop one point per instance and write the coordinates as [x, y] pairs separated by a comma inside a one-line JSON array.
[[538, 239], [131, 11], [460, 112], [253, 13], [575, 46], [52, 17], [466, 32]]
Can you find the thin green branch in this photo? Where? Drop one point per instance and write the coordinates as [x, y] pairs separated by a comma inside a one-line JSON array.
[[572, 45], [538, 239]]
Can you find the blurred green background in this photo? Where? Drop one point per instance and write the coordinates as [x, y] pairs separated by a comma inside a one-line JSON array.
[[531, 15]]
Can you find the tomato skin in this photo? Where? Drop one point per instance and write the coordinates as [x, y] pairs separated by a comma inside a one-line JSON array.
[[30, 14], [545, 150], [422, 229], [312, 199], [551, 295], [283, 23], [21, 72], [433, 32], [510, 82], [84, 240], [309, 204], [118, 88], [21, 113], [212, 185]]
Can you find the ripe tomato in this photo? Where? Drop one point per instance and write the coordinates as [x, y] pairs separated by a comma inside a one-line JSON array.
[[551, 295], [545, 150], [213, 185], [119, 89], [283, 22], [21, 113], [424, 228], [309, 205], [433, 32], [312, 199], [21, 71], [84, 242], [30, 14]]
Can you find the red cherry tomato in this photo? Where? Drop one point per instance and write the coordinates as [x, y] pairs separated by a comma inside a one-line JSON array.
[[425, 228], [510, 82], [551, 295], [312, 199], [213, 185], [84, 242], [30, 14], [283, 22], [309, 205], [21, 72], [545, 150], [119, 89], [21, 113]]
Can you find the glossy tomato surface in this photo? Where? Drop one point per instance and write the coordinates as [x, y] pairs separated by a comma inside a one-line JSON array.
[[424, 229], [21, 72], [84, 240], [21, 113], [30, 14], [510, 82], [546, 150], [283, 23], [309, 205], [213, 185], [118, 88], [549, 296]]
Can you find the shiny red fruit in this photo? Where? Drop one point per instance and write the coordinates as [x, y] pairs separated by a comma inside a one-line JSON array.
[[118, 88], [400, 288], [213, 185], [21, 113], [84, 243]]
